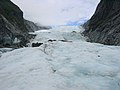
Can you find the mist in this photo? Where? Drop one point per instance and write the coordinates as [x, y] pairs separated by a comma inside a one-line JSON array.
[[57, 12]]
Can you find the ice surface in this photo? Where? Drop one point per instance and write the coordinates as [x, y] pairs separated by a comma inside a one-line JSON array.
[[71, 65]]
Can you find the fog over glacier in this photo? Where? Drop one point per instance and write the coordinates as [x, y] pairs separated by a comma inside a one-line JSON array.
[[57, 12]]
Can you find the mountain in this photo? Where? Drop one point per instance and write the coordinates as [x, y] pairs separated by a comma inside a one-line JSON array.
[[31, 26], [77, 22], [13, 27], [104, 26]]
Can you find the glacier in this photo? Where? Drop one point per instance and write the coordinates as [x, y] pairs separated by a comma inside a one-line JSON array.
[[70, 65]]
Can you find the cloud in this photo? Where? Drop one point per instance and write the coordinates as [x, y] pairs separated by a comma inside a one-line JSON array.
[[56, 12]]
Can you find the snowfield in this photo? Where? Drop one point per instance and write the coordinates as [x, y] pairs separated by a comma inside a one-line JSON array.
[[67, 63]]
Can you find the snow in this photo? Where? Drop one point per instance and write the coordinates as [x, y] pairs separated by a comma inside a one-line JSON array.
[[3, 50], [71, 65]]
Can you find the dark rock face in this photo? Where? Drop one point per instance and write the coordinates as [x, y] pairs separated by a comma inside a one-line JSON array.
[[36, 44], [13, 29], [11, 24], [104, 26]]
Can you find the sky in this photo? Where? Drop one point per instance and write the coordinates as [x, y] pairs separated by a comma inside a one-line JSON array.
[[57, 12]]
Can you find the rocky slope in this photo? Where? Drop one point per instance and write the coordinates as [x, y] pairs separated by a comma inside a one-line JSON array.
[[13, 28], [34, 27], [104, 26]]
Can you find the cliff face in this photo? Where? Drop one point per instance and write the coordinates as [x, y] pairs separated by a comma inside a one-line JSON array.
[[104, 26], [11, 24], [13, 29]]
